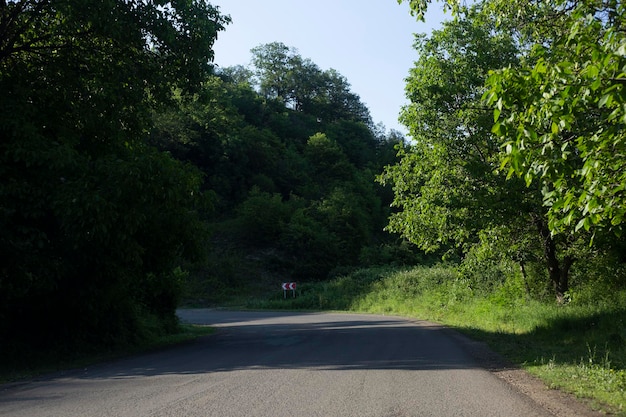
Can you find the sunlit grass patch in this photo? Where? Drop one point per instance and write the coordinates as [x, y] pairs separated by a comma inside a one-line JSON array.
[[589, 379]]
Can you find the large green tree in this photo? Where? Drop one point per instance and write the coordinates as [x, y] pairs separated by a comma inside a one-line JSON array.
[[445, 184], [562, 113], [282, 74], [447, 187], [94, 222]]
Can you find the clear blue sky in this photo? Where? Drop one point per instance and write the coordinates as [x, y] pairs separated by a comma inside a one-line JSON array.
[[370, 42]]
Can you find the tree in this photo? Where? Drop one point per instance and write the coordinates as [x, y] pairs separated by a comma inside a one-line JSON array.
[[298, 83], [336, 101], [279, 72], [562, 112], [562, 115], [446, 186], [448, 169], [93, 218], [328, 164], [291, 163]]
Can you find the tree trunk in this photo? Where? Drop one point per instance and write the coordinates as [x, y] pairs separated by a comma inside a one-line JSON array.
[[522, 267], [559, 275]]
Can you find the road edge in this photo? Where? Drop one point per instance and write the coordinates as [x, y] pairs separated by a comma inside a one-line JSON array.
[[557, 402]]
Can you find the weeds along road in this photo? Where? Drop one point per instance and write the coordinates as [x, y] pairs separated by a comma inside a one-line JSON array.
[[283, 365]]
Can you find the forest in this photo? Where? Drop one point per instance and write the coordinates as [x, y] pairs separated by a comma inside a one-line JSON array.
[[136, 175]]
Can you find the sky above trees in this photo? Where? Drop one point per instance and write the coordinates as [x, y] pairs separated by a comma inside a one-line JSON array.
[[370, 43]]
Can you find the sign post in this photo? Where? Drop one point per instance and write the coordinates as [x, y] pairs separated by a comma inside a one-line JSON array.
[[289, 286]]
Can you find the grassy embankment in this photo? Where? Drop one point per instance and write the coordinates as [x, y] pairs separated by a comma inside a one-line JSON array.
[[579, 347]]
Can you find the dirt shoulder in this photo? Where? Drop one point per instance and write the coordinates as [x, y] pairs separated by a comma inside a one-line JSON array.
[[559, 403]]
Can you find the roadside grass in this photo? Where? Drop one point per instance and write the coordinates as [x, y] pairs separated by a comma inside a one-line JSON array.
[[27, 363], [579, 347]]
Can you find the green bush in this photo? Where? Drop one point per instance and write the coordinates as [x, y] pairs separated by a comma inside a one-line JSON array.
[[262, 217], [315, 249], [399, 253], [503, 254]]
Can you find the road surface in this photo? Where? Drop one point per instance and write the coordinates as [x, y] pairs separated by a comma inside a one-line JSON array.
[[283, 365]]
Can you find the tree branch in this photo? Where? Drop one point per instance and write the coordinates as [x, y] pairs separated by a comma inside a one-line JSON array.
[[12, 20]]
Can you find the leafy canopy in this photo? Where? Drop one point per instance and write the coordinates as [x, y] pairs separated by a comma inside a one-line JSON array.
[[562, 116], [445, 188], [92, 217]]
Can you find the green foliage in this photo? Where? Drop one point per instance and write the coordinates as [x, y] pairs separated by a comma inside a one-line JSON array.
[[327, 163], [95, 223], [418, 7], [607, 274], [561, 116], [445, 186], [263, 217], [123, 223], [294, 183], [316, 249], [504, 254], [395, 253], [450, 192], [283, 75], [356, 141]]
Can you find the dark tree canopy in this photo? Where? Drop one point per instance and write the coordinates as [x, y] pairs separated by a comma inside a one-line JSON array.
[[290, 153], [94, 220]]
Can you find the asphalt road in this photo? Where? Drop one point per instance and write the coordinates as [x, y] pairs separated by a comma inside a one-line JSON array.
[[283, 365]]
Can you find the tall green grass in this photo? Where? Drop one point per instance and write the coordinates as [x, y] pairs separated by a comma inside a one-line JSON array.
[[579, 347]]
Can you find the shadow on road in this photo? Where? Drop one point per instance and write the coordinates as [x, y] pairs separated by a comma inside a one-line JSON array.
[[279, 340]]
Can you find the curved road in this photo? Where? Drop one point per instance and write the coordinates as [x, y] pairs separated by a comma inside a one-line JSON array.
[[283, 365]]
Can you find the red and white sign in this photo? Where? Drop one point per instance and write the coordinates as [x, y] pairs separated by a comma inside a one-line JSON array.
[[289, 286]]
